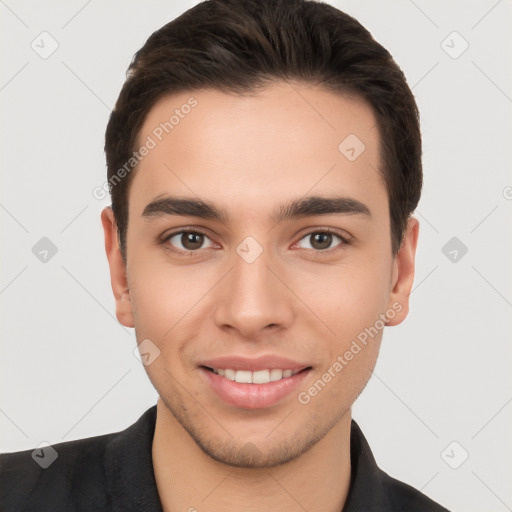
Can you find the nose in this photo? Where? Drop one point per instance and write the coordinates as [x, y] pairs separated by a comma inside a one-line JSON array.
[[253, 300]]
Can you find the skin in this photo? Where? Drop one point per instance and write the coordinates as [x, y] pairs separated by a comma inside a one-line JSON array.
[[248, 155]]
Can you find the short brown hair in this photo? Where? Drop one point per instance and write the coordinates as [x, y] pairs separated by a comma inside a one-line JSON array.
[[241, 46]]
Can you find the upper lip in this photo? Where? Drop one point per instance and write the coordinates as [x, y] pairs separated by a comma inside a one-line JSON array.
[[255, 364]]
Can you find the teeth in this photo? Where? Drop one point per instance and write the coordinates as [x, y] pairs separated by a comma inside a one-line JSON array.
[[243, 376], [259, 377], [229, 374], [276, 375]]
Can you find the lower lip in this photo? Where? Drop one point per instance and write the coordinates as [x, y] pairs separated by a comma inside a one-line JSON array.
[[253, 396]]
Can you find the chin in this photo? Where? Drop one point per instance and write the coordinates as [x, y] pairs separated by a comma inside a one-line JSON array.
[[249, 456]]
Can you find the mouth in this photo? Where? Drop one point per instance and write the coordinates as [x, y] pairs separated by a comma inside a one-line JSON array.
[[253, 389]]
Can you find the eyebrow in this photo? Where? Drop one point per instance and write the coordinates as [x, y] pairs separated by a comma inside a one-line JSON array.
[[298, 208]]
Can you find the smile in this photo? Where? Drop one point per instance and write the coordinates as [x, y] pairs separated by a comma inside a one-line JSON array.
[[257, 377], [253, 389]]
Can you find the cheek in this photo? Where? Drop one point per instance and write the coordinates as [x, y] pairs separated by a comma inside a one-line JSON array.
[[353, 309], [351, 304], [348, 297], [163, 294], [360, 305], [170, 307]]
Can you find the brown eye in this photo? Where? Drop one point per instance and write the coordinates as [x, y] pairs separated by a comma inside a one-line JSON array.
[[188, 241], [321, 240], [192, 241]]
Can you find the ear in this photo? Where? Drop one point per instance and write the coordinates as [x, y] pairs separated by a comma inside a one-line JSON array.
[[403, 273], [117, 269]]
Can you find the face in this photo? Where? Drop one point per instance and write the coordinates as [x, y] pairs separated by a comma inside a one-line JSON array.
[[278, 257]]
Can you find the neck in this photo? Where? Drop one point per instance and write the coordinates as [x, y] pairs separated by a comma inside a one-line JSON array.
[[189, 480]]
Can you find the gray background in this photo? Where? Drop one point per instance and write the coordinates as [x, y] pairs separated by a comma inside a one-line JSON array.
[[67, 366]]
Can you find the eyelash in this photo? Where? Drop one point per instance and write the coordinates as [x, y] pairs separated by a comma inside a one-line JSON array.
[[344, 241]]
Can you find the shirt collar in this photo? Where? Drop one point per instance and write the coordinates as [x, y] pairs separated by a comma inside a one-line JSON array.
[[132, 485], [367, 489], [129, 467]]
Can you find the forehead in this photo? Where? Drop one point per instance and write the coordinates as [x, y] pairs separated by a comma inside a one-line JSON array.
[[287, 140]]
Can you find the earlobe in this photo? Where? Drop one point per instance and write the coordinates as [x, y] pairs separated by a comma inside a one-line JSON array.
[[117, 266], [403, 274]]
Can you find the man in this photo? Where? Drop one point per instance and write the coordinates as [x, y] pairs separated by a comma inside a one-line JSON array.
[[264, 160]]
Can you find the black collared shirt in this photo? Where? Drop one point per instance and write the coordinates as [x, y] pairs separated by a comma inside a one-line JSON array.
[[114, 472]]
